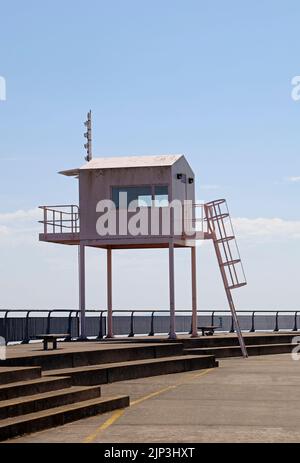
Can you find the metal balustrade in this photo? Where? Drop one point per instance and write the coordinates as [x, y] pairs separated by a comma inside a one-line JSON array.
[[60, 219], [66, 219], [130, 317]]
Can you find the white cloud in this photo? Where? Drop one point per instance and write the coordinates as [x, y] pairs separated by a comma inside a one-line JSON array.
[[267, 228], [20, 215], [19, 227], [4, 230], [293, 179]]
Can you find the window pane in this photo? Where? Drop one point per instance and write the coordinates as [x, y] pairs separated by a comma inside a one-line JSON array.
[[161, 198], [145, 200], [133, 194], [161, 190]]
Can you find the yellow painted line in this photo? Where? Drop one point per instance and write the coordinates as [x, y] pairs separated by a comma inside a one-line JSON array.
[[161, 391], [202, 373], [115, 416], [153, 394], [118, 413]]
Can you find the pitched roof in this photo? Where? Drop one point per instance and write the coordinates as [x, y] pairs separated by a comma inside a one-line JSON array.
[[126, 162]]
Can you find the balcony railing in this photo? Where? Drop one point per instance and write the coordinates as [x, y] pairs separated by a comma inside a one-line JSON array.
[[60, 219]]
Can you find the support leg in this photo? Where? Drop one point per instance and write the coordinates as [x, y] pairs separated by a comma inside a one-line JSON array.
[[172, 333], [81, 259], [110, 333], [194, 292]]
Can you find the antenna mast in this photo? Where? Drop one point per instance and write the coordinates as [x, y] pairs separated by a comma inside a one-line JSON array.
[[88, 135]]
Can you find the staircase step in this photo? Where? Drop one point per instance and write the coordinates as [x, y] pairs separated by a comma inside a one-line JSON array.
[[111, 372], [35, 386], [232, 340], [97, 355], [47, 400], [14, 374], [34, 422], [235, 351]]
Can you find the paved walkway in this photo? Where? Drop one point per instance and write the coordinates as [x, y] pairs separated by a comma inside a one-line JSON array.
[[253, 400]]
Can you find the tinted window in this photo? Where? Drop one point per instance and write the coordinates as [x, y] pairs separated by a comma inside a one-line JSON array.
[[140, 194]]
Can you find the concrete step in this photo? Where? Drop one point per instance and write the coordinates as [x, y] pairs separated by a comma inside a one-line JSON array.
[[232, 340], [47, 400], [111, 372], [33, 422], [35, 386], [235, 351], [14, 374], [109, 354]]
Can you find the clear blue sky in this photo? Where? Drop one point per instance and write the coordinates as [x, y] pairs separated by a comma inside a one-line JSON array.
[[211, 80]]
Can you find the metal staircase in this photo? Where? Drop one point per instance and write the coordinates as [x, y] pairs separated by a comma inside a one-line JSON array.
[[220, 227]]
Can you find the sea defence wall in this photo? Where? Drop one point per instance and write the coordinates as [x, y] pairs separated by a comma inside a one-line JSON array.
[[16, 327]]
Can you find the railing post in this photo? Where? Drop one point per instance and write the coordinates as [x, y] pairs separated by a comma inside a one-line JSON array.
[[49, 321], [276, 322], [69, 338], [253, 323], [45, 221], [220, 322], [232, 330], [131, 334], [213, 318], [100, 335], [296, 322], [26, 338], [72, 218], [151, 332], [191, 329], [77, 323], [6, 326]]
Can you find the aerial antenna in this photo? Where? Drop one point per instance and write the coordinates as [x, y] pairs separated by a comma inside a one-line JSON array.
[[88, 135]]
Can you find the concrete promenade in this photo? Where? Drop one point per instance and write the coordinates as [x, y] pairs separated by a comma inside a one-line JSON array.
[[253, 400]]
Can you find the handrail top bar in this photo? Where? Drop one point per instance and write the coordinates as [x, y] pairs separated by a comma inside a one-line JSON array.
[[216, 202], [216, 311], [59, 205], [51, 222]]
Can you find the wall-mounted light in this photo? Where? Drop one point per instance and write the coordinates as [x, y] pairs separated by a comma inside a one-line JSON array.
[[99, 172], [191, 180], [179, 176]]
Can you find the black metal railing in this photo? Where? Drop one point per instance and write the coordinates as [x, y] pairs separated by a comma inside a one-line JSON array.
[[22, 325]]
